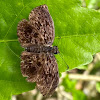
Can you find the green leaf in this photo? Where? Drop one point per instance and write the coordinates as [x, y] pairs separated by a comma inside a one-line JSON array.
[[11, 80], [98, 86], [94, 4], [69, 86], [77, 35]]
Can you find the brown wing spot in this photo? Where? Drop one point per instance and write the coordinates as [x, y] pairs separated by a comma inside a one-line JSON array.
[[36, 35], [41, 39], [47, 23], [32, 69], [50, 75], [39, 64], [28, 29], [36, 42]]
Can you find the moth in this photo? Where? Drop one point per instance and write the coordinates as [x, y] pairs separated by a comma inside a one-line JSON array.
[[38, 62]]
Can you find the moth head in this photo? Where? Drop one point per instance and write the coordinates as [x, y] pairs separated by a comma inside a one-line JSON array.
[[55, 50]]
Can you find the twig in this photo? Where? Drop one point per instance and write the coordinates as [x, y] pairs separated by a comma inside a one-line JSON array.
[[84, 77]]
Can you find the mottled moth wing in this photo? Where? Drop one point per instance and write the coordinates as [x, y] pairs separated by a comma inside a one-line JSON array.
[[40, 68], [39, 30]]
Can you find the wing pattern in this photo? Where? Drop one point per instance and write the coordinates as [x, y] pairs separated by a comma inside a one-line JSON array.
[[41, 67]]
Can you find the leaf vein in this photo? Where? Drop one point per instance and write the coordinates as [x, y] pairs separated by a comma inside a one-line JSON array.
[[12, 50]]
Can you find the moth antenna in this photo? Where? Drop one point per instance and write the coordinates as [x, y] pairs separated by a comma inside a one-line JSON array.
[[64, 61]]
